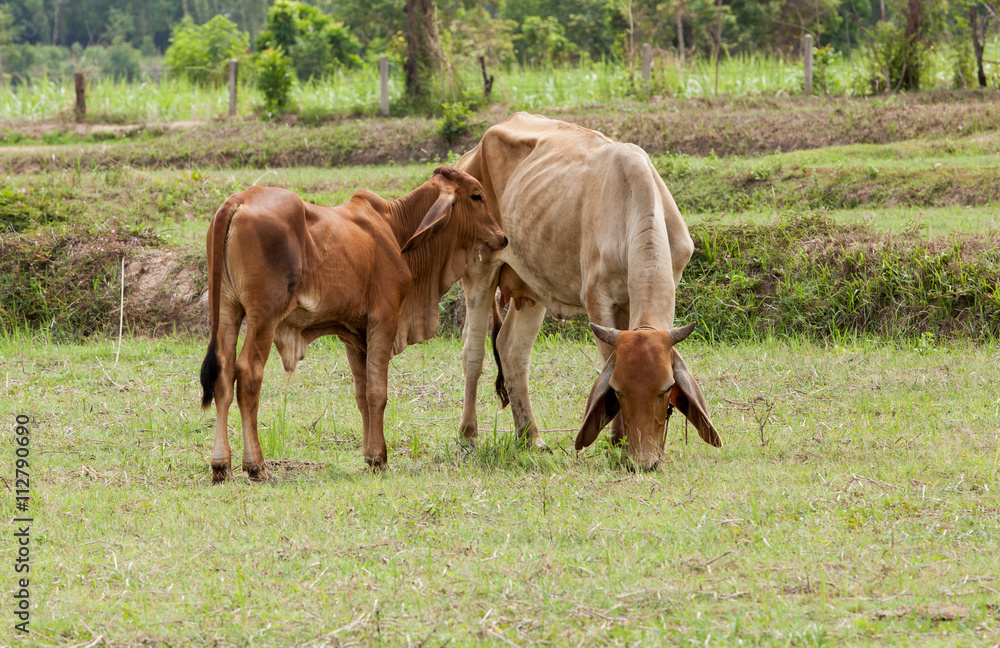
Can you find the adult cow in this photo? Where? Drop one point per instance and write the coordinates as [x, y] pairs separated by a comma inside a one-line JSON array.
[[369, 271], [592, 229]]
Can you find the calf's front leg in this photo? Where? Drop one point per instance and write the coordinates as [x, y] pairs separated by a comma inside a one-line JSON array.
[[376, 394]]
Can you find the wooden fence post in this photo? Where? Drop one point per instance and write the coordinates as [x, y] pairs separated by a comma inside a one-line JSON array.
[[807, 54], [232, 87], [383, 70], [647, 63], [81, 95]]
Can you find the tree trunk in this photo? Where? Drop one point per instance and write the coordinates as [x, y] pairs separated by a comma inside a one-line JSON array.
[[419, 47], [911, 71], [977, 44], [913, 12], [680, 32], [55, 22], [718, 42]]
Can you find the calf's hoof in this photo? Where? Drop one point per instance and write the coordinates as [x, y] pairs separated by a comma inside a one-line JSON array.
[[220, 473], [377, 464]]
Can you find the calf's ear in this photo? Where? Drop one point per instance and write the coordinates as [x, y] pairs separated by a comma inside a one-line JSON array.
[[437, 217], [687, 397], [602, 407]]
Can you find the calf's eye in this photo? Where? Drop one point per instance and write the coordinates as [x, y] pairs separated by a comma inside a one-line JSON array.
[[477, 197]]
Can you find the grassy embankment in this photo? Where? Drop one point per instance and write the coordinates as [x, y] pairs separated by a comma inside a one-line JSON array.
[[889, 230]]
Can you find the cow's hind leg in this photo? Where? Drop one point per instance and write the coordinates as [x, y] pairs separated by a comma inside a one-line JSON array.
[[517, 337], [230, 318], [249, 377]]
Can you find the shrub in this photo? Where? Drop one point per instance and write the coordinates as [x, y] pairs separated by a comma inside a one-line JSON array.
[[896, 61], [543, 41], [315, 44], [275, 79], [201, 52], [122, 61], [455, 123]]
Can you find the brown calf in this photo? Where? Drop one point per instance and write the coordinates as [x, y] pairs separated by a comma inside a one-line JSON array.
[[369, 271]]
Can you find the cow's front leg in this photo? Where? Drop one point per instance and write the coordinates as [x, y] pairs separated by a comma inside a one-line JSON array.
[[480, 291], [516, 339]]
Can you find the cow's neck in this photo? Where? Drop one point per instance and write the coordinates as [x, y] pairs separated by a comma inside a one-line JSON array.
[[429, 265], [651, 292]]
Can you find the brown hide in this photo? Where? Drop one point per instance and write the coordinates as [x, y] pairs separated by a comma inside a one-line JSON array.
[[370, 271]]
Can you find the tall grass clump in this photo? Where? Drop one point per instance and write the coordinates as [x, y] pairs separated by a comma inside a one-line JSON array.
[[65, 284], [810, 276], [117, 101]]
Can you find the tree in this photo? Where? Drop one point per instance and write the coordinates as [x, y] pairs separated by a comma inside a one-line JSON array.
[[543, 41], [316, 44], [420, 50], [202, 52]]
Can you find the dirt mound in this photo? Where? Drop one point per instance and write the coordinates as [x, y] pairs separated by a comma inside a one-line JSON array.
[[165, 291]]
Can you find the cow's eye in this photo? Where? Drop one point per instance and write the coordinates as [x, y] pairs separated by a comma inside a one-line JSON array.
[[477, 197]]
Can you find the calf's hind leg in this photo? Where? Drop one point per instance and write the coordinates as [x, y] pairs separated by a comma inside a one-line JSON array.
[[230, 318], [249, 377]]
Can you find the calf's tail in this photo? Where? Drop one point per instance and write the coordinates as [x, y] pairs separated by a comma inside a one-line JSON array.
[[216, 244]]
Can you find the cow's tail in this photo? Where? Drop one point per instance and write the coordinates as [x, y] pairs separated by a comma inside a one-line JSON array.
[[501, 386], [216, 245]]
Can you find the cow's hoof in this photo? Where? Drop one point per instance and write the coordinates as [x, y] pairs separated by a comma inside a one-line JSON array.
[[256, 473], [220, 473], [467, 443], [534, 444], [378, 464]]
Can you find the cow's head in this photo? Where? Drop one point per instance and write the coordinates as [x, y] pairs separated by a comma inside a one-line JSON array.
[[461, 208], [642, 378]]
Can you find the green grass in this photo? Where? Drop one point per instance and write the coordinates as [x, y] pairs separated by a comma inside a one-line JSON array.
[[356, 92], [928, 222], [869, 516]]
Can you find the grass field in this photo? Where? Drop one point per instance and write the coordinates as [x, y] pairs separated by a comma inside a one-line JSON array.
[[855, 503]]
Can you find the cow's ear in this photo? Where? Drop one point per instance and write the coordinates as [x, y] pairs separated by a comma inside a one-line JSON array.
[[687, 397], [437, 217], [602, 407]]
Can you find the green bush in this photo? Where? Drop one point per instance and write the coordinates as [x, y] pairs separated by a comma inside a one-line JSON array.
[[275, 79], [315, 44], [896, 62], [122, 61], [543, 41], [202, 52], [455, 123]]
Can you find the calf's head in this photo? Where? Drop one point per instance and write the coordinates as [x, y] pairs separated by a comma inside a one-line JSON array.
[[460, 208], [642, 379]]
